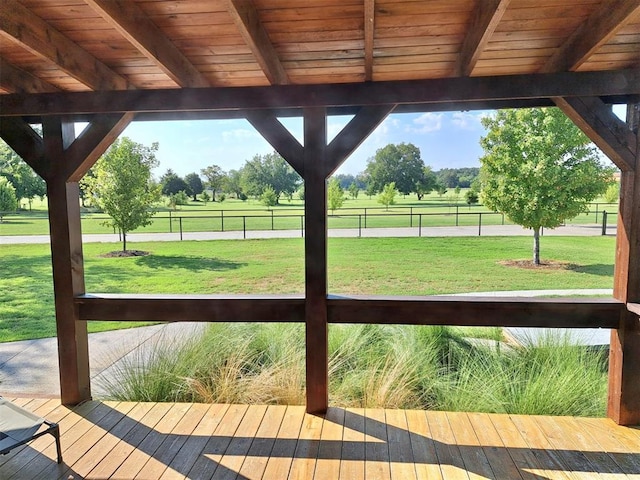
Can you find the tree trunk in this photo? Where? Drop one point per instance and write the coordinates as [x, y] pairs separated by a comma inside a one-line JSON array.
[[536, 246], [124, 241]]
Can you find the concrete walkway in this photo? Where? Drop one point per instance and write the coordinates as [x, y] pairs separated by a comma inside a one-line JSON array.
[[30, 368], [471, 231]]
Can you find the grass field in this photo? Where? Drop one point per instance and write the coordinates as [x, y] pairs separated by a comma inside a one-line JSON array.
[[232, 214], [389, 266]]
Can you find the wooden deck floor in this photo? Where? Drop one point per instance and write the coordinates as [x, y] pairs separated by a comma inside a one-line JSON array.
[[111, 440]]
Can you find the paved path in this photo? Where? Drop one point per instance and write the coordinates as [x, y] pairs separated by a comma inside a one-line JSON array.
[[488, 230], [30, 368]]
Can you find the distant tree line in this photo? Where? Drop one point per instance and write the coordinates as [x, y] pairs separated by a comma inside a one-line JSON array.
[[266, 177]]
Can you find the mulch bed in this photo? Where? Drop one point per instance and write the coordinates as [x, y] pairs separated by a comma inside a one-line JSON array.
[[544, 265], [127, 253]]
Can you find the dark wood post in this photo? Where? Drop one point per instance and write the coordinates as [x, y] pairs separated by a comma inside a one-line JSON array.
[[624, 359], [315, 209], [68, 268]]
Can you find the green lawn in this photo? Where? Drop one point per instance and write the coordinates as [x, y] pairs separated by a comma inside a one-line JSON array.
[[386, 266]]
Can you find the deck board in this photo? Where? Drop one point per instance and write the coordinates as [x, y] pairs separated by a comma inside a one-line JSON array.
[[127, 441]]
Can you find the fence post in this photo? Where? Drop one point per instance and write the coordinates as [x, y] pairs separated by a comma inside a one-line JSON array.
[[597, 214], [419, 224], [456, 214], [359, 225], [604, 222], [180, 218], [479, 224], [244, 227], [222, 220], [410, 216], [271, 219], [170, 223]]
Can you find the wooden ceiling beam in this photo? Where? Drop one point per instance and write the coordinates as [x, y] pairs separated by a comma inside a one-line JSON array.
[[14, 79], [508, 88], [19, 135], [92, 142], [30, 31], [266, 123], [245, 16], [594, 32], [485, 19], [354, 133], [604, 128], [369, 29], [133, 24]]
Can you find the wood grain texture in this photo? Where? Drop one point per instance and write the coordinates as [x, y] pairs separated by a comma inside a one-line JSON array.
[[137, 28]]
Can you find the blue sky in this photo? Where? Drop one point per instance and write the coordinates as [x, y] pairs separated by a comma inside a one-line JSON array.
[[445, 140]]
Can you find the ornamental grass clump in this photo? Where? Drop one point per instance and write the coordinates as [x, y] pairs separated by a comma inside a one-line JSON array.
[[384, 366]]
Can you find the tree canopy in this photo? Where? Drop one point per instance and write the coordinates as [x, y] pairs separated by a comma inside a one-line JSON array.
[[8, 199], [400, 164], [539, 169], [171, 183], [194, 182], [270, 170], [123, 185], [215, 179]]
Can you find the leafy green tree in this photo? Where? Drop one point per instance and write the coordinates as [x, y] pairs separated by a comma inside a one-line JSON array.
[[370, 191], [233, 183], [8, 199], [171, 183], [194, 182], [215, 179], [400, 164], [426, 184], [354, 190], [471, 197], [26, 182], [269, 198], [539, 169], [612, 194], [335, 194], [388, 195], [270, 170], [440, 189], [205, 197], [123, 185]]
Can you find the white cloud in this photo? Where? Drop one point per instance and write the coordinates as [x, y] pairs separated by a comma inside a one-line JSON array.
[[466, 120], [239, 134], [427, 123]]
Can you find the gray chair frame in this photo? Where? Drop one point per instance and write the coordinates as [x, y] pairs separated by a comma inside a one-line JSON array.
[[34, 423]]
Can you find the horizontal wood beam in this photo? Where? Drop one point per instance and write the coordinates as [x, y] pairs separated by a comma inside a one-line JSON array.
[[436, 310], [132, 23], [603, 127], [477, 311], [622, 83], [191, 308]]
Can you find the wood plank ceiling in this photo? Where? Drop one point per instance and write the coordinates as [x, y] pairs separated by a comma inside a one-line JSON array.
[[84, 45]]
